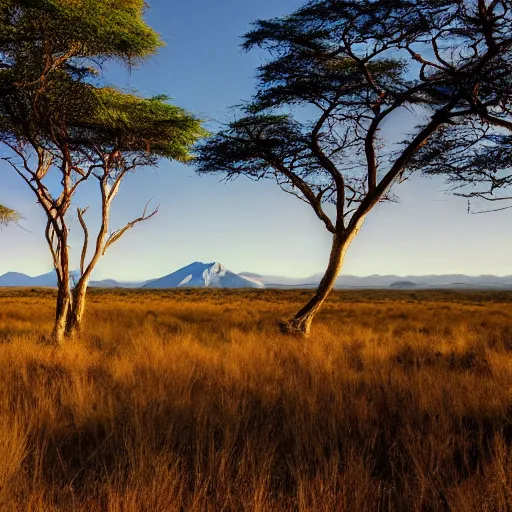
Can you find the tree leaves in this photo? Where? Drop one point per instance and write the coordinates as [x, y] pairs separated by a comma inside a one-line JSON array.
[[86, 28], [48, 97], [8, 216]]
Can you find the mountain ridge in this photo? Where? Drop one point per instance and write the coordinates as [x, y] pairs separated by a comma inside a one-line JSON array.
[[216, 275]]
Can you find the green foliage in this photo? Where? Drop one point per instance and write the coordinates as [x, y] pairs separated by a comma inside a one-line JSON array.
[[304, 76], [8, 216], [83, 28], [139, 124], [245, 146], [47, 98], [83, 116]]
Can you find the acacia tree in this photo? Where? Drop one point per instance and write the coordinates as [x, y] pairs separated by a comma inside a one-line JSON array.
[[54, 119], [341, 75]]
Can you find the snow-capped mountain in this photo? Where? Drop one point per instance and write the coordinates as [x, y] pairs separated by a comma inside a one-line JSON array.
[[205, 275]]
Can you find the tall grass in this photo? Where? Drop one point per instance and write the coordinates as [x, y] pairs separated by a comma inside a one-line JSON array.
[[193, 401]]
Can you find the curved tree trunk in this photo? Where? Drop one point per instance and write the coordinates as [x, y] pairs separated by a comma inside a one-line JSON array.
[[301, 322], [76, 311], [64, 296], [63, 307]]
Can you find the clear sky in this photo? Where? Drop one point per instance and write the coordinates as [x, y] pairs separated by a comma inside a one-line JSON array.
[[245, 225]]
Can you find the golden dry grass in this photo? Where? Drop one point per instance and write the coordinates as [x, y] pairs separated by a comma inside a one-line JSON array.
[[192, 401]]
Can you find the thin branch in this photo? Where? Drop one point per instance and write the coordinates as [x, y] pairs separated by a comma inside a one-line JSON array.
[[306, 191], [81, 212], [491, 211], [116, 235]]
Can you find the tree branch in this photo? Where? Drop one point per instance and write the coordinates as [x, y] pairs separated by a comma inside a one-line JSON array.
[[116, 235], [306, 191], [81, 212], [373, 198]]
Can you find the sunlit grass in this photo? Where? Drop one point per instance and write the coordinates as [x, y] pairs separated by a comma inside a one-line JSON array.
[[193, 401]]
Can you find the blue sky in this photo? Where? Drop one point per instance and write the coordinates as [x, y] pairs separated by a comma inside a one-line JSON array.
[[245, 225]]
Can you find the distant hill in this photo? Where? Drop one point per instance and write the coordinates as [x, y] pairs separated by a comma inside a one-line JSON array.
[[392, 281], [14, 279], [49, 280], [403, 285]]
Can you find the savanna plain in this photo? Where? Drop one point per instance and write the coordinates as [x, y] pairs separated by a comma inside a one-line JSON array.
[[192, 400]]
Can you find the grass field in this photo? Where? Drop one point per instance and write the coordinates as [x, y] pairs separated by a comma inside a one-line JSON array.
[[192, 400]]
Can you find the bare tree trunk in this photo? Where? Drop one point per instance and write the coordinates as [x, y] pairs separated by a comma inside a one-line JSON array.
[[76, 312], [63, 307], [301, 322], [64, 297], [60, 254]]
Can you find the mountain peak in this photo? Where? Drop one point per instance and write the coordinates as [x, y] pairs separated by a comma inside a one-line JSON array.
[[204, 275]]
